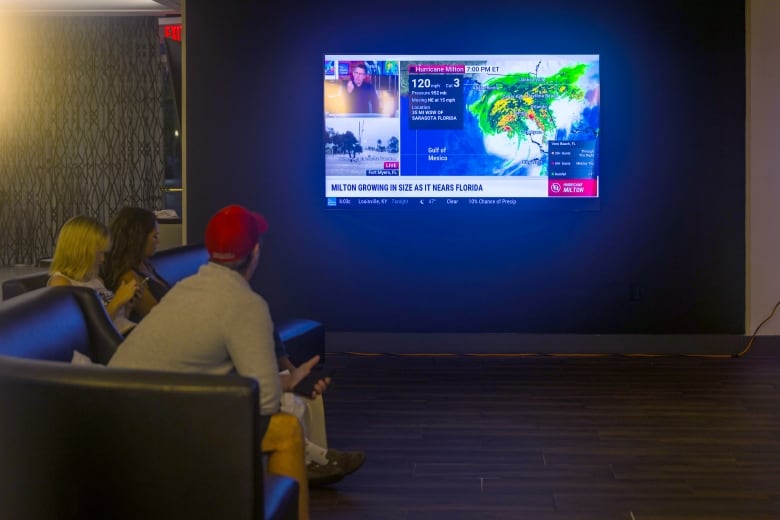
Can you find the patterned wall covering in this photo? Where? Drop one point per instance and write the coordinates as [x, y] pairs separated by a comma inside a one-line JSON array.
[[80, 125]]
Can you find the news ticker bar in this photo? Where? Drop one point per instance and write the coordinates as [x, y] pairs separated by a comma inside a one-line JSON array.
[[458, 187]]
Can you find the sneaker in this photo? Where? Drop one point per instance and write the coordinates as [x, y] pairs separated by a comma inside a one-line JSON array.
[[323, 475], [348, 461], [340, 464]]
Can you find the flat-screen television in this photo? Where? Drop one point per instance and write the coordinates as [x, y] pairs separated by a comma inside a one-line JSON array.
[[438, 131]]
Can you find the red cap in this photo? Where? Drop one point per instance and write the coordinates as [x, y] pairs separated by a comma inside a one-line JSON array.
[[232, 233]]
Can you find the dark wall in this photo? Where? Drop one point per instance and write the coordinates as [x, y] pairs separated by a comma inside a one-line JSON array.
[[664, 254]]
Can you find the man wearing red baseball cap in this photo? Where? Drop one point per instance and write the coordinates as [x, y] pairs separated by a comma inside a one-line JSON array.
[[233, 233], [213, 322]]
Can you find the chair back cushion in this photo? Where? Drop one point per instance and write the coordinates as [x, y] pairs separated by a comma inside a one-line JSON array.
[[180, 262], [25, 283], [51, 322]]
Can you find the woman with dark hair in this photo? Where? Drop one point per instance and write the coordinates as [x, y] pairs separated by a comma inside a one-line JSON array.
[[135, 236]]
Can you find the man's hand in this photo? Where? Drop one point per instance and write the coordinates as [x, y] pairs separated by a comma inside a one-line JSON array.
[[350, 86], [289, 381]]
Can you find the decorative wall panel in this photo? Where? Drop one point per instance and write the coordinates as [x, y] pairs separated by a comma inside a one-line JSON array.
[[80, 125]]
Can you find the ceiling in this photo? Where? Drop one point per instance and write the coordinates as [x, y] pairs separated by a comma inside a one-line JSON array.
[[129, 7]]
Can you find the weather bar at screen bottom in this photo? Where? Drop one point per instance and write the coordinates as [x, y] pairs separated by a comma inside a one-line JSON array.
[[459, 187]]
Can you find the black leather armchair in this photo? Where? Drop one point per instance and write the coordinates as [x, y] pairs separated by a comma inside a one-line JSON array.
[[52, 322], [88, 442], [25, 283], [172, 264], [303, 338]]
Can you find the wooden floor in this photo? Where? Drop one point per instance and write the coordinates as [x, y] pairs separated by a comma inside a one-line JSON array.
[[543, 438]]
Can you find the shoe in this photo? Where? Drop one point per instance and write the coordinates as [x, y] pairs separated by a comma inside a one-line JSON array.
[[340, 464], [348, 461], [323, 475]]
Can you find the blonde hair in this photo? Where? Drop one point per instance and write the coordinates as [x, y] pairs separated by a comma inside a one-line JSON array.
[[79, 241]]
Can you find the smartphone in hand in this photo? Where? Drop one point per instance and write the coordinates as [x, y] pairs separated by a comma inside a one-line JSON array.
[[305, 386], [139, 290]]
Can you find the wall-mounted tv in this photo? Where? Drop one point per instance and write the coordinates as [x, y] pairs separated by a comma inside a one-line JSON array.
[[435, 131]]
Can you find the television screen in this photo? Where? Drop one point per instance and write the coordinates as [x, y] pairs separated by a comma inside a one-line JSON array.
[[461, 130]]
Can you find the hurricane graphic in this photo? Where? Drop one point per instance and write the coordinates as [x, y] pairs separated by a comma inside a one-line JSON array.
[[519, 113]]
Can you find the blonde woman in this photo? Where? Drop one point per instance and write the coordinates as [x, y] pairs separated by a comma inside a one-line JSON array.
[[81, 247]]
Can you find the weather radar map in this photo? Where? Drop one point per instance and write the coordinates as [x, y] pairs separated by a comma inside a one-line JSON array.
[[519, 114], [513, 126]]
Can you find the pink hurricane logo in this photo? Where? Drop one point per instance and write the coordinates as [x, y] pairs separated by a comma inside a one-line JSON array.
[[555, 187]]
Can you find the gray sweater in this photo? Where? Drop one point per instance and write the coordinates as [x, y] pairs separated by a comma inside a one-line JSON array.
[[212, 323]]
